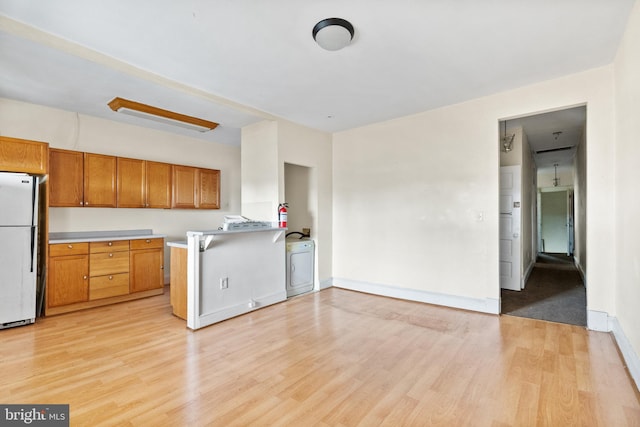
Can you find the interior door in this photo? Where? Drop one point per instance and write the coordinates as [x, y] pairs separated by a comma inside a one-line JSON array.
[[510, 219]]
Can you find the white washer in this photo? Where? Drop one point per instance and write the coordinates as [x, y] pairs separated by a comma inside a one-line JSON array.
[[300, 256]]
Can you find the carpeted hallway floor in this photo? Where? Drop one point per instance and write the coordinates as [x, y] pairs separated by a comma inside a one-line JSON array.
[[554, 292]]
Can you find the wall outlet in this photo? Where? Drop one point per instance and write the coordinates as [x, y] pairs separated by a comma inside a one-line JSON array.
[[306, 231], [224, 283]]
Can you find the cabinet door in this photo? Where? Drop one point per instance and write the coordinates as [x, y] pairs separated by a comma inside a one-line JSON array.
[[184, 186], [66, 173], [208, 189], [99, 180], [67, 280], [158, 185], [146, 270], [131, 183], [20, 155]]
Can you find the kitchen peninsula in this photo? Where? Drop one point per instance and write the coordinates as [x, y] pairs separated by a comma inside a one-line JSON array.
[[228, 273]]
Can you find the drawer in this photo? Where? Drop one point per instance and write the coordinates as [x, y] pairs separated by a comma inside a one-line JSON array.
[[106, 263], [147, 243], [62, 249], [108, 286], [111, 246]]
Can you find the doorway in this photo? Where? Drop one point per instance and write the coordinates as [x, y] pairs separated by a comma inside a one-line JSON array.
[[553, 145]]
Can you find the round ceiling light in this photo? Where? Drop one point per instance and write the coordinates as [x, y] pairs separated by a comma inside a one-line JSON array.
[[333, 33]]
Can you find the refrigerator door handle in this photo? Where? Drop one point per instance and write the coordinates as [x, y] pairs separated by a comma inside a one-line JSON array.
[[33, 246]]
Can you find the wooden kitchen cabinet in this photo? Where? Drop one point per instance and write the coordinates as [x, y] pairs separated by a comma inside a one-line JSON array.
[[66, 174], [196, 188], [143, 184], [131, 181], [99, 180], [147, 265], [184, 186], [81, 179], [208, 189], [91, 274], [158, 185], [108, 269], [21, 155], [68, 274]]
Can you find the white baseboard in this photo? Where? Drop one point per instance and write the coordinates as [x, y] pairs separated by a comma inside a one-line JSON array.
[[630, 356], [598, 321], [487, 305], [527, 273], [581, 271], [327, 283]]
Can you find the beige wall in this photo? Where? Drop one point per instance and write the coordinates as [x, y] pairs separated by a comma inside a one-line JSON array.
[[263, 188], [407, 191], [68, 130], [626, 274]]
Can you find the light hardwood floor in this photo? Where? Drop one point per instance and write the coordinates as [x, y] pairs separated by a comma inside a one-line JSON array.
[[332, 358]]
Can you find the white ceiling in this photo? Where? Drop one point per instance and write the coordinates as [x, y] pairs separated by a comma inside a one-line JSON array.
[[239, 61]]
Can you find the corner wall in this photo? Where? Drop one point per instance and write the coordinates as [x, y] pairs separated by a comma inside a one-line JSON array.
[[626, 212], [416, 198]]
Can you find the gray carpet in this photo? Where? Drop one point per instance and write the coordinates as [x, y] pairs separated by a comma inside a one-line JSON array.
[[554, 292]]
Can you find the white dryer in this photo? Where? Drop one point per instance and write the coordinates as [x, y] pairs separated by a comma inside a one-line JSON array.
[[300, 263]]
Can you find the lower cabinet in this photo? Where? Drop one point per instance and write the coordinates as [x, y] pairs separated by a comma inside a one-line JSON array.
[[90, 274], [68, 274], [147, 264]]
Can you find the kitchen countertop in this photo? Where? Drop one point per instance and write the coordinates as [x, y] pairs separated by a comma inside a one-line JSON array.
[[101, 236], [178, 244]]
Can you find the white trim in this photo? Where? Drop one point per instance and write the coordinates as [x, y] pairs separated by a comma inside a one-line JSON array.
[[527, 274], [598, 321], [581, 271], [327, 283], [487, 305], [628, 354]]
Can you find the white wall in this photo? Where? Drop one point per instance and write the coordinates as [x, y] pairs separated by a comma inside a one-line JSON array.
[[68, 130], [283, 143], [626, 246], [407, 192]]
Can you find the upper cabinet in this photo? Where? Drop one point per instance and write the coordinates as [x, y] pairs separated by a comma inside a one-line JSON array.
[[81, 179], [196, 188], [96, 180], [20, 155], [208, 189], [184, 186], [158, 187], [99, 180], [143, 184], [66, 178]]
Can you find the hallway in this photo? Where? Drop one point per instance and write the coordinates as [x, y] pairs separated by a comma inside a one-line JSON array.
[[554, 292]]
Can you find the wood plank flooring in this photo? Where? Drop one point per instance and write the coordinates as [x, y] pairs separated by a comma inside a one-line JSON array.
[[332, 358]]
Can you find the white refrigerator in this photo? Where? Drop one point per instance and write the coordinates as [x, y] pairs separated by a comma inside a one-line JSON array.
[[18, 249]]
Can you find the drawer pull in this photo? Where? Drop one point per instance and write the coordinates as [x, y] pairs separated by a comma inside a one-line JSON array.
[[110, 255], [110, 277], [70, 246], [110, 244], [148, 241]]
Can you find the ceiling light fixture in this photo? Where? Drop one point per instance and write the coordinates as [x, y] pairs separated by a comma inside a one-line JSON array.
[[556, 180], [333, 33], [507, 141], [145, 111]]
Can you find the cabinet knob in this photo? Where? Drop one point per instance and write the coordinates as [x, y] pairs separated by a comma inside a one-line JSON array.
[[84, 277], [110, 277], [110, 255], [148, 241], [162, 267], [81, 203], [70, 246], [110, 244], [86, 203]]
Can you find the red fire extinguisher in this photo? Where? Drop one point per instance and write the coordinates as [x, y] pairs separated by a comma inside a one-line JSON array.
[[282, 215]]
